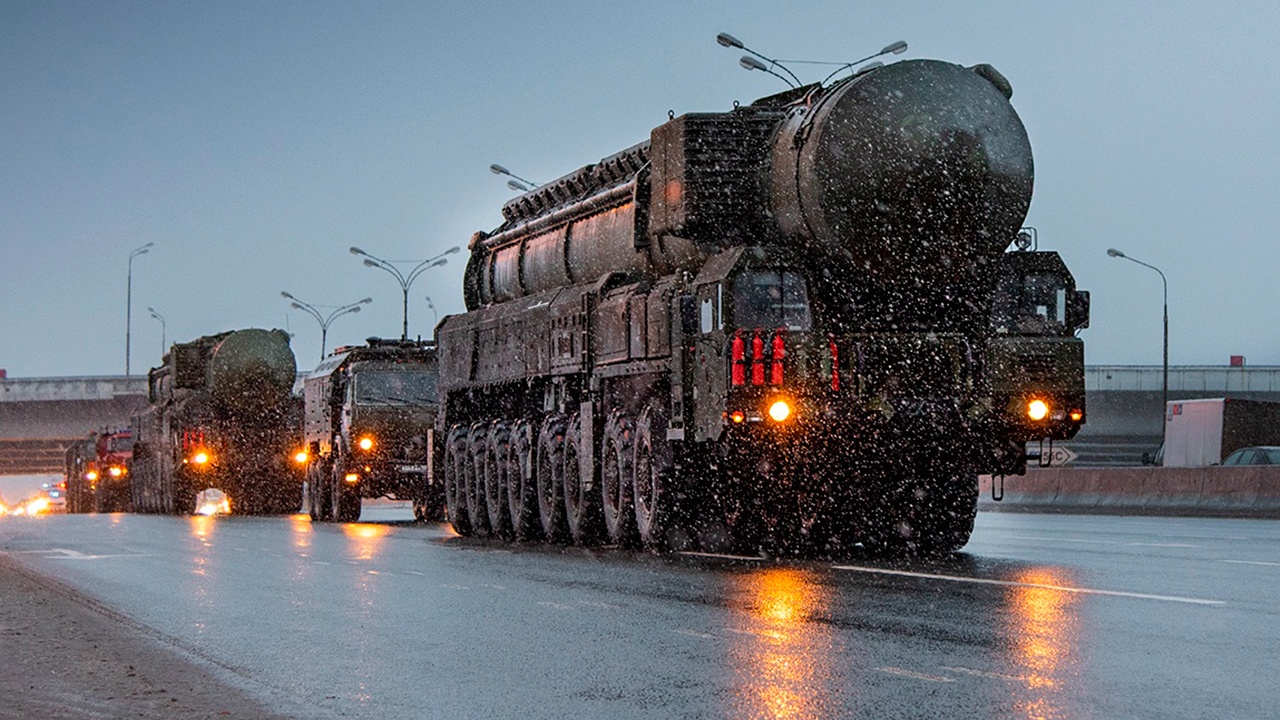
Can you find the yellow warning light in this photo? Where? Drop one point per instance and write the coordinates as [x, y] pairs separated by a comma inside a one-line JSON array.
[[352, 478], [200, 458], [1076, 415], [1037, 409], [737, 416], [366, 443], [91, 475], [115, 471], [300, 457], [779, 410]]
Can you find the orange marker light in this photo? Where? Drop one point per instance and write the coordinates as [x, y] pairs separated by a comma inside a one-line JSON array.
[[300, 457], [352, 478], [366, 443], [737, 416]]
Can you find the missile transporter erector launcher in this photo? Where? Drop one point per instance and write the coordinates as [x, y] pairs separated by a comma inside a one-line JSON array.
[[369, 424], [794, 325], [221, 416]]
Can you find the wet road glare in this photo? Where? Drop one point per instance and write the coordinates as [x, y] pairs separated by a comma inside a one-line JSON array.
[[1040, 617]]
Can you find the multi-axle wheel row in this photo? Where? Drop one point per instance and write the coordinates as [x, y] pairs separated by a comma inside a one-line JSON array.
[[525, 479]]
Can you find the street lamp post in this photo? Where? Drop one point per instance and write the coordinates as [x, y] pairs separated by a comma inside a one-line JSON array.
[[128, 304], [1164, 395], [322, 319], [158, 316], [405, 279], [434, 315]]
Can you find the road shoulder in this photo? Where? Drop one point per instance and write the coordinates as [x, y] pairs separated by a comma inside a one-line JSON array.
[[61, 656]]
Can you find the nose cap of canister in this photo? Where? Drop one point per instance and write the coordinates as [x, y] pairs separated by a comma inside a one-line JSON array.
[[914, 166]]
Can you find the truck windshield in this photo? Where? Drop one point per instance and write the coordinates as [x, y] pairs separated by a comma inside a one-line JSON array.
[[388, 387], [771, 299], [120, 443], [1031, 304]]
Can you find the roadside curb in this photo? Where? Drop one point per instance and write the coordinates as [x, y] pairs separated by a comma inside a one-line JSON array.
[[1206, 492]]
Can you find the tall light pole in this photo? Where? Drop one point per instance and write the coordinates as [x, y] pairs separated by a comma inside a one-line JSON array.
[[158, 316], [435, 315], [405, 279], [128, 304], [323, 320], [1164, 395]]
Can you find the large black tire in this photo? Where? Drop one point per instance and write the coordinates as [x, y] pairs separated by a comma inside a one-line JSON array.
[[455, 488], [522, 487], [496, 468], [581, 495], [477, 452], [346, 496], [616, 480], [927, 513], [651, 479], [550, 479]]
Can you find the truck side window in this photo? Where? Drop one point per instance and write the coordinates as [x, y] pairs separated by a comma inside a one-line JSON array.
[[709, 304]]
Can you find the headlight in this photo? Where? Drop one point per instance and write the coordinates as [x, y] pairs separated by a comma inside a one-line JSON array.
[[1037, 410], [300, 457], [91, 475], [200, 458], [779, 410], [116, 471], [366, 443]]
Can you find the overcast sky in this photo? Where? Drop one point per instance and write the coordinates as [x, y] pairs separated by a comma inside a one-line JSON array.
[[254, 142]]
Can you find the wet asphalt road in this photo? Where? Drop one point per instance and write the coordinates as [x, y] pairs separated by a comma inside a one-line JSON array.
[[1041, 617]]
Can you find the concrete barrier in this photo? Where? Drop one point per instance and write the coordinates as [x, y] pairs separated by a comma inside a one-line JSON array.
[[1210, 492]]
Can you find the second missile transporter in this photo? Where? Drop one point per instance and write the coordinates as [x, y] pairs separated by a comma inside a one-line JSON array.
[[221, 416], [797, 324], [368, 422]]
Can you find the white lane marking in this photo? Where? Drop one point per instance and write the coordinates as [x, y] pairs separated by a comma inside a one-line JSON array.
[[720, 556], [1068, 540], [901, 672], [983, 673], [1041, 586], [1163, 545], [1252, 562], [413, 572], [65, 554], [320, 562], [694, 633], [556, 605], [455, 587]]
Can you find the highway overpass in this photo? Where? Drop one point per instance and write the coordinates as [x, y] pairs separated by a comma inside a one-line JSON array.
[[41, 417]]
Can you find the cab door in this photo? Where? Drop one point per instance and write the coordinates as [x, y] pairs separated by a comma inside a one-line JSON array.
[[710, 364]]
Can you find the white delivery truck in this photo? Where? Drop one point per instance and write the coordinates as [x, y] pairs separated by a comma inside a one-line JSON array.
[[1203, 432]]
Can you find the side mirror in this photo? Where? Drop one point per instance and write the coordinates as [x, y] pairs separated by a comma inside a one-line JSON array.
[[1078, 310]]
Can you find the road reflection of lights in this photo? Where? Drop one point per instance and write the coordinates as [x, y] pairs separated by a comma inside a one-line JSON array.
[[1044, 625], [366, 539], [300, 525], [785, 658]]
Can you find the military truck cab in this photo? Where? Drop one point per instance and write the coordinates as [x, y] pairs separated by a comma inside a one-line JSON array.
[[369, 427], [1036, 359]]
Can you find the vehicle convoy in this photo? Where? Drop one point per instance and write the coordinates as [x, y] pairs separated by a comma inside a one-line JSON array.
[[220, 416], [1198, 433], [97, 472], [793, 325], [368, 421]]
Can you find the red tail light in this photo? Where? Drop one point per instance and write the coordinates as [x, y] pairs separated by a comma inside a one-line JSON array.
[[835, 363], [779, 353], [739, 355], [757, 360]]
